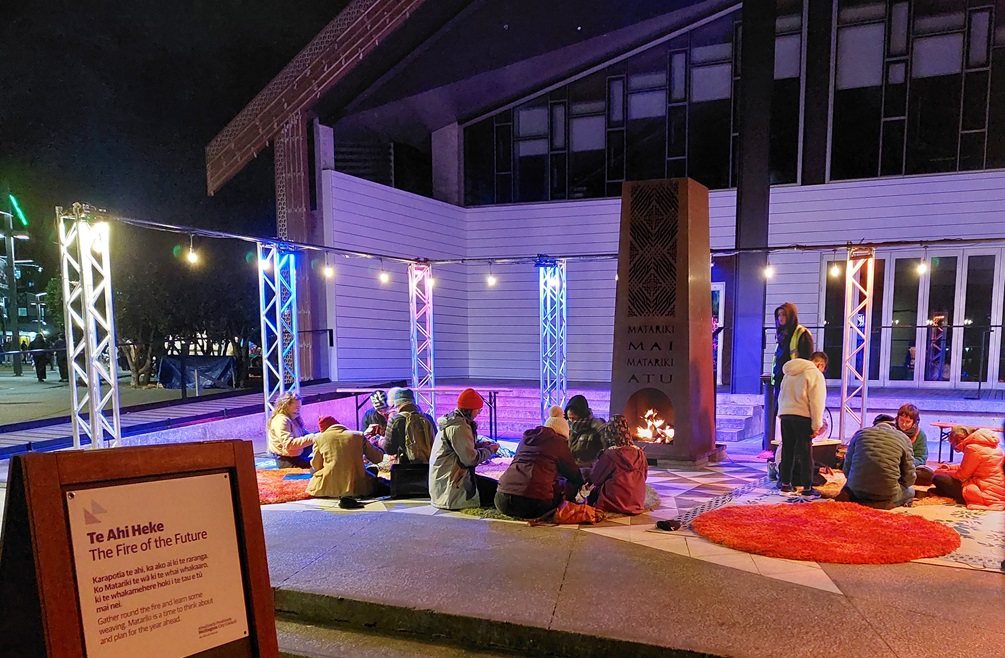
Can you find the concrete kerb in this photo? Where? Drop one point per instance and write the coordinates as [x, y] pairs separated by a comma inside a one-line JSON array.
[[336, 612]]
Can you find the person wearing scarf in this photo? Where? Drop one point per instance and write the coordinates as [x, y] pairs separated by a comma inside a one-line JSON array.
[[585, 438], [619, 477], [908, 419]]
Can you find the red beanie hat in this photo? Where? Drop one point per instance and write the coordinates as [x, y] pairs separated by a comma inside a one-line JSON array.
[[469, 399], [325, 422]]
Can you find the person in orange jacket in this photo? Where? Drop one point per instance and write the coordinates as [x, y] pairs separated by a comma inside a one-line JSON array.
[[978, 481]]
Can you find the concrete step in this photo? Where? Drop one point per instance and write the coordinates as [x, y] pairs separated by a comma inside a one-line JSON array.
[[723, 435], [307, 622], [312, 641], [733, 422]]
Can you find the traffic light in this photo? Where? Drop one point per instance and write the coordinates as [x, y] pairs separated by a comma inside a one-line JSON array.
[[17, 210]]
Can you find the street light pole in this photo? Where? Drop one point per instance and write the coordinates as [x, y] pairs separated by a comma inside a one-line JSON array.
[[12, 314]]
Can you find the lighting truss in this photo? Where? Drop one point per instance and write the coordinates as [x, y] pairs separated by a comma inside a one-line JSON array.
[[554, 337], [90, 327], [277, 286], [420, 306], [859, 279]]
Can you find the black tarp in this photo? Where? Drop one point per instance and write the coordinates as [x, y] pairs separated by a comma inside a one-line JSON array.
[[218, 368]]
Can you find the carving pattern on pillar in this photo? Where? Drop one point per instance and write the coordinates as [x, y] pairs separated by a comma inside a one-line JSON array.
[[652, 252], [293, 218]]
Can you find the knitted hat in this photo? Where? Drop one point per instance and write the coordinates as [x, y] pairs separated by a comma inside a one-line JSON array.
[[403, 396], [557, 422], [579, 406], [325, 422], [883, 418], [379, 400], [469, 399]]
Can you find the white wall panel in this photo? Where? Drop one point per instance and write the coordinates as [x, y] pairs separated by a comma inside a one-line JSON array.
[[484, 332]]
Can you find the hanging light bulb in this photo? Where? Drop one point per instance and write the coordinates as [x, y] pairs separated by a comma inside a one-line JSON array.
[[383, 277], [432, 282], [491, 279], [835, 270], [769, 271], [329, 271], [192, 257], [263, 264], [923, 263]]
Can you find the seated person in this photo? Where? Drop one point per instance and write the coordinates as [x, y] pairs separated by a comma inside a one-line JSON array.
[[375, 420], [585, 439], [908, 422], [410, 432], [453, 483], [879, 465], [619, 477], [338, 464], [289, 441], [978, 481], [532, 485]]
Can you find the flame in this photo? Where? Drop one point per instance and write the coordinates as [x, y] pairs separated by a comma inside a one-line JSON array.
[[654, 431]]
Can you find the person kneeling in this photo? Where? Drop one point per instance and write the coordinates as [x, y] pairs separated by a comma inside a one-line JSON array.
[[531, 486], [338, 464], [978, 480], [879, 465], [619, 478]]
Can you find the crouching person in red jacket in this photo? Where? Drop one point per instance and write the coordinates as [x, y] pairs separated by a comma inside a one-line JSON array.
[[619, 478], [978, 480], [543, 471]]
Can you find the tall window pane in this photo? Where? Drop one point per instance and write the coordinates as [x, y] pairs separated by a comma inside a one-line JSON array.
[[939, 321], [587, 142], [678, 77], [858, 98], [977, 318], [834, 316], [934, 104], [904, 318]]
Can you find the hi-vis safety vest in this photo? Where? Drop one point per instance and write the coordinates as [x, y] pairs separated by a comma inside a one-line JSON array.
[[793, 350]]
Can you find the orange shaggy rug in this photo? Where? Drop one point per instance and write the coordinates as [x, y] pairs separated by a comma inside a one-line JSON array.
[[843, 533], [272, 488]]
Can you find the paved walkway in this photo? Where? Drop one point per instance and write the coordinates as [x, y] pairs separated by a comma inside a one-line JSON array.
[[563, 579]]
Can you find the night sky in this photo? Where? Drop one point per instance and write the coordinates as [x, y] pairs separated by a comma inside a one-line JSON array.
[[114, 103]]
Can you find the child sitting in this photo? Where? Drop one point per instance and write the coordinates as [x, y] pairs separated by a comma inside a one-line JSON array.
[[619, 477]]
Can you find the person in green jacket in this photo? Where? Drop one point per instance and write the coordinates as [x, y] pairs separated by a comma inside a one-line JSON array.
[[909, 422]]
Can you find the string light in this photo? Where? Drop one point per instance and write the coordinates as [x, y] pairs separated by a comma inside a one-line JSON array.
[[835, 268], [263, 264], [384, 277], [329, 271], [923, 263], [192, 257], [491, 279], [769, 271]]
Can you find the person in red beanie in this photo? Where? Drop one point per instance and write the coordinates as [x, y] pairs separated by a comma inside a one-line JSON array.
[[453, 483]]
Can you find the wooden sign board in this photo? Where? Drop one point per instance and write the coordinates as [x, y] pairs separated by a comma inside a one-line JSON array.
[[154, 551]]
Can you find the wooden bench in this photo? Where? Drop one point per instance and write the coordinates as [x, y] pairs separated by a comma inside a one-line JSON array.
[[946, 428]]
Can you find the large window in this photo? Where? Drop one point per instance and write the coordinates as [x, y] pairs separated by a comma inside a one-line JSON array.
[[914, 89], [834, 302], [669, 111]]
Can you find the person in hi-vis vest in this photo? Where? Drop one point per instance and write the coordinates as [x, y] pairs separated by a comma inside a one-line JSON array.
[[794, 342]]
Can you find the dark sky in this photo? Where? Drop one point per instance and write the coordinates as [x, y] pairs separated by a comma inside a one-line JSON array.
[[113, 103]]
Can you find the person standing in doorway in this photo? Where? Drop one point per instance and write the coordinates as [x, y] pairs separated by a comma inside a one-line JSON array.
[[794, 342]]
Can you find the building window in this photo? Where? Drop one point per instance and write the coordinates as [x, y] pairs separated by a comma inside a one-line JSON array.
[[858, 96], [834, 301]]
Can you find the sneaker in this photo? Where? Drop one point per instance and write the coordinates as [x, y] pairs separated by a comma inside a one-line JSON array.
[[772, 471], [785, 488], [809, 493]]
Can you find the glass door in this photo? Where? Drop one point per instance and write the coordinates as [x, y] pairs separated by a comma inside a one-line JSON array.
[[903, 334], [978, 344], [939, 348], [718, 320]]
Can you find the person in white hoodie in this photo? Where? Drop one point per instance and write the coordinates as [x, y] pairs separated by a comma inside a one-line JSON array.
[[801, 403]]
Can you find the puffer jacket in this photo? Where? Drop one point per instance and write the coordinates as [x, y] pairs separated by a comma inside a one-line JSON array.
[[620, 478], [585, 439], [879, 463], [542, 456], [803, 392], [981, 472], [452, 464]]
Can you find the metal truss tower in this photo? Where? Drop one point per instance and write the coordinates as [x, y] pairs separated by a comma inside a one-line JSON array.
[[420, 307], [554, 337], [90, 327], [859, 275], [277, 286]]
